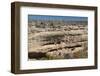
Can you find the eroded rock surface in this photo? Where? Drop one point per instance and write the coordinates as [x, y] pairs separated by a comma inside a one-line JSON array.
[[57, 40]]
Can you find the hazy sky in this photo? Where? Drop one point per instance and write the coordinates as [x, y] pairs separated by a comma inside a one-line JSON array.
[[50, 17]]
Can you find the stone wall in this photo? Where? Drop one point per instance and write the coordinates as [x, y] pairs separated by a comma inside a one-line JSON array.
[[57, 40]]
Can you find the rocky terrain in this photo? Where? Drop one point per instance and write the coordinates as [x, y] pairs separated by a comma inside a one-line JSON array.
[[57, 40]]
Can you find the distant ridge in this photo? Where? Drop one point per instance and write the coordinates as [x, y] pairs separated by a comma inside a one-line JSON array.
[[57, 18]]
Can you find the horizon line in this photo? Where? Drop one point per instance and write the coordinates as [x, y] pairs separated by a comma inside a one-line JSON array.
[[60, 18]]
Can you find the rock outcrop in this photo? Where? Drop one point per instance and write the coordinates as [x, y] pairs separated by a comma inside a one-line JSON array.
[[57, 40]]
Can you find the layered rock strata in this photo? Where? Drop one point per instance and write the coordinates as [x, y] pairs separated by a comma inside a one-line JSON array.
[[57, 40]]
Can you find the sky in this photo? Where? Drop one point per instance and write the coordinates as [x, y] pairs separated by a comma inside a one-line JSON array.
[[50, 17]]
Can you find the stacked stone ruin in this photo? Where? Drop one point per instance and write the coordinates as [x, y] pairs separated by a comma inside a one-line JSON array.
[[57, 40]]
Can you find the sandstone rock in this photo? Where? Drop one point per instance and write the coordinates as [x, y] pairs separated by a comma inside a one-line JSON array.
[[57, 40]]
